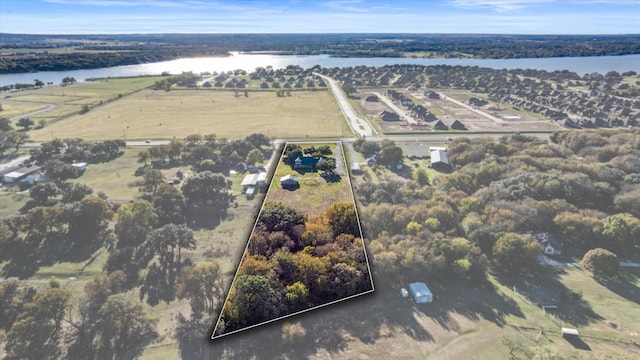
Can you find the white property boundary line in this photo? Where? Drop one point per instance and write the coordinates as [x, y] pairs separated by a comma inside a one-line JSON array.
[[338, 143]]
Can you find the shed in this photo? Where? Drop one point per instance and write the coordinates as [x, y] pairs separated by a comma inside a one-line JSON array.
[[356, 169], [13, 176], [420, 292], [569, 332], [261, 180], [289, 182], [389, 116], [372, 98], [458, 125], [80, 166], [249, 180], [250, 192]]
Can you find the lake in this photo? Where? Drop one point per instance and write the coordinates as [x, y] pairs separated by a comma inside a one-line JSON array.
[[579, 65]]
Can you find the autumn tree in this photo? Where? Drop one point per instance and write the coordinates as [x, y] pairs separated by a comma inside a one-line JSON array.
[[202, 285], [253, 299], [341, 217], [134, 220], [515, 252]]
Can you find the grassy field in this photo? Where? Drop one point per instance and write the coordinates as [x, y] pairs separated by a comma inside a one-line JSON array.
[[69, 99], [178, 113], [14, 108]]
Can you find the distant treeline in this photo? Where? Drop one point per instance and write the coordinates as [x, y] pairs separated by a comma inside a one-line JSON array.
[[136, 49]]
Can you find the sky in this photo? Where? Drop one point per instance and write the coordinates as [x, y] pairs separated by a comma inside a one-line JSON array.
[[329, 16]]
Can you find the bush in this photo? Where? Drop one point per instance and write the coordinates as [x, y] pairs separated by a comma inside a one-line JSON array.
[[292, 332], [601, 262]]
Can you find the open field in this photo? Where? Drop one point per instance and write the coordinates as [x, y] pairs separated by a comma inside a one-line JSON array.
[[160, 114], [69, 99], [12, 109]]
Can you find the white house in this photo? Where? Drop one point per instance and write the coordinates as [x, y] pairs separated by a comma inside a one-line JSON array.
[[249, 180], [420, 292], [80, 166]]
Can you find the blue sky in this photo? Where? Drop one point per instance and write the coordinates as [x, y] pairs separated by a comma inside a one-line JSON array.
[[330, 16]]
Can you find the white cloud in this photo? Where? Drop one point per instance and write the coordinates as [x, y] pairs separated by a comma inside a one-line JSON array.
[[498, 5]]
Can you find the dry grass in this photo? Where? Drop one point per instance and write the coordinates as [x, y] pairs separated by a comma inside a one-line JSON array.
[[160, 114]]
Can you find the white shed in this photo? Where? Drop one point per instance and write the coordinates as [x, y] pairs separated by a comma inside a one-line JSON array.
[[420, 292]]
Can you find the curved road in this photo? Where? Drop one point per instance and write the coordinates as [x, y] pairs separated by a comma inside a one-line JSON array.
[[358, 125], [48, 108]]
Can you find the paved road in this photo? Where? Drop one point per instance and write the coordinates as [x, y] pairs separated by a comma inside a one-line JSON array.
[[357, 124], [48, 108], [403, 114], [482, 113]]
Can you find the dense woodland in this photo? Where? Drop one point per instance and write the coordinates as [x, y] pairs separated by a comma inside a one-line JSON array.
[[136, 49], [584, 186], [295, 263]]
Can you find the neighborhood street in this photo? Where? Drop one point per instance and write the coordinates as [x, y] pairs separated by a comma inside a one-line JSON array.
[[399, 111], [358, 125]]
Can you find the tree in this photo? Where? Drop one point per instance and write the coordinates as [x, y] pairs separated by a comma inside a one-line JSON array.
[[25, 123], [421, 177], [36, 331], [144, 156], [168, 241], [133, 221], [207, 189], [619, 233], [75, 192], [341, 217], [258, 140], [43, 191], [59, 171], [254, 156], [253, 299], [327, 167], [123, 329], [349, 88], [391, 155], [202, 285], [152, 180], [169, 204], [276, 216], [600, 262], [515, 252], [5, 124], [16, 139]]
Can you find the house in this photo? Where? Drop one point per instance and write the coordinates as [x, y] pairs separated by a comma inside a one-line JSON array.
[[19, 174], [240, 168], [433, 95], [372, 98], [389, 116], [289, 182], [251, 180], [34, 178], [420, 292], [551, 243], [439, 159], [439, 125], [305, 162], [457, 125]]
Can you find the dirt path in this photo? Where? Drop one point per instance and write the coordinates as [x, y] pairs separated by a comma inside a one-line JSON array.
[[48, 108]]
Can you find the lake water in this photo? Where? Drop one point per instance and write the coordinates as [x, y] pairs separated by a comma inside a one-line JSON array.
[[579, 65]]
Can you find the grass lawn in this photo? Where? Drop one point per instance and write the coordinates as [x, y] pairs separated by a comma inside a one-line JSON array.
[[315, 194], [11, 201], [178, 113], [115, 178]]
